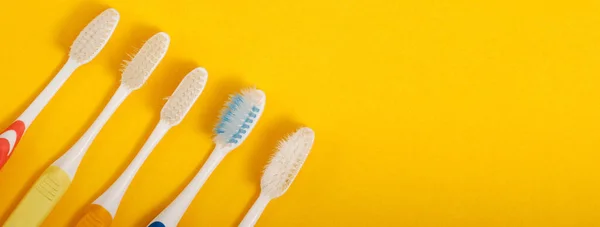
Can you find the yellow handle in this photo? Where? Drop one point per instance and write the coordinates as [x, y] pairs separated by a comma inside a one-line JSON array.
[[41, 198], [96, 216]]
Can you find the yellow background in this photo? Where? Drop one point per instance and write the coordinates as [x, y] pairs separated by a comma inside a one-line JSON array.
[[426, 112]]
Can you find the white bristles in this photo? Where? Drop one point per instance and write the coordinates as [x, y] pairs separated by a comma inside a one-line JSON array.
[[94, 36], [184, 96], [239, 116], [286, 162], [145, 61]]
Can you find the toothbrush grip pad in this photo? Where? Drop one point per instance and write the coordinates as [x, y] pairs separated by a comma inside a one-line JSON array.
[[40, 199]]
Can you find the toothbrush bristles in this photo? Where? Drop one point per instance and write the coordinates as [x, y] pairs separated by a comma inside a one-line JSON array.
[[286, 162], [239, 116], [94, 36], [143, 63], [184, 96]]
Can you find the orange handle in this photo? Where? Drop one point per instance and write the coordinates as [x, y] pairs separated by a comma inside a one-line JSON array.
[[96, 216]]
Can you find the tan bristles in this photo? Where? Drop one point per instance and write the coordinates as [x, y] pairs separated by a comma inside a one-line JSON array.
[[184, 96], [145, 61], [94, 36], [286, 162]]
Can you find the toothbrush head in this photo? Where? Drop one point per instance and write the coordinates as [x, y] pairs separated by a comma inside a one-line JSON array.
[[145, 61], [94, 36], [184, 96], [286, 162], [238, 117]]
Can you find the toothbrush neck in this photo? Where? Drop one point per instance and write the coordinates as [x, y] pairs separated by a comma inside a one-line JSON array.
[[255, 211], [209, 166], [173, 213], [70, 161], [49, 91], [104, 116], [111, 198], [157, 134]]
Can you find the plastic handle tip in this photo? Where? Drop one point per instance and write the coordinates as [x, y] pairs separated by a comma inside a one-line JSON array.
[[96, 216], [157, 224], [41, 199], [9, 140]]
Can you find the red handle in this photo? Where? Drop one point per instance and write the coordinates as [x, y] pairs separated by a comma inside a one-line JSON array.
[[9, 140]]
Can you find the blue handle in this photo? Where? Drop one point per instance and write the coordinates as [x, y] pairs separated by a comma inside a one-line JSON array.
[[157, 224]]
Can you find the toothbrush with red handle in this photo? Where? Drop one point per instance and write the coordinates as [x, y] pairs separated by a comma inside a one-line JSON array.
[[86, 46]]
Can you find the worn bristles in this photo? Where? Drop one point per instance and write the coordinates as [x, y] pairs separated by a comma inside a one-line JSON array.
[[239, 116], [286, 162], [184, 96], [145, 61], [94, 36]]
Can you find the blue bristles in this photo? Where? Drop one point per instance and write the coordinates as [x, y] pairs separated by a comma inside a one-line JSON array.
[[238, 135], [239, 116], [235, 102]]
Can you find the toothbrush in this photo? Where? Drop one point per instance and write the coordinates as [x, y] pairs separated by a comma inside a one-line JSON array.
[[49, 188], [281, 171], [85, 47], [238, 118], [103, 210]]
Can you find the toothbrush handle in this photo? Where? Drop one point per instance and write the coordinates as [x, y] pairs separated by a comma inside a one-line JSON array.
[[12, 135], [255, 212], [171, 215], [41, 199], [96, 216]]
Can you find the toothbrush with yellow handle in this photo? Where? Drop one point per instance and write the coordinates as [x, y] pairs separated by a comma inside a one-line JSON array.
[[86, 46], [49, 188], [104, 209]]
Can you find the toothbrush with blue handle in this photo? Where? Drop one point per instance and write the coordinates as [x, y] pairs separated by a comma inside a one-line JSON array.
[[238, 118]]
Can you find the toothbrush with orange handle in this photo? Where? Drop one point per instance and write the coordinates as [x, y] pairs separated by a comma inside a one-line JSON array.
[[85, 47], [102, 212], [54, 182]]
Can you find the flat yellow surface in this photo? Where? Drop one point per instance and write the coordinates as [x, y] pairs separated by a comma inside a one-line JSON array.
[[427, 113]]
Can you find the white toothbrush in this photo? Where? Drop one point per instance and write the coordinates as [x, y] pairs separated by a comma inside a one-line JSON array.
[[103, 210], [237, 119], [85, 47], [49, 188], [281, 171]]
